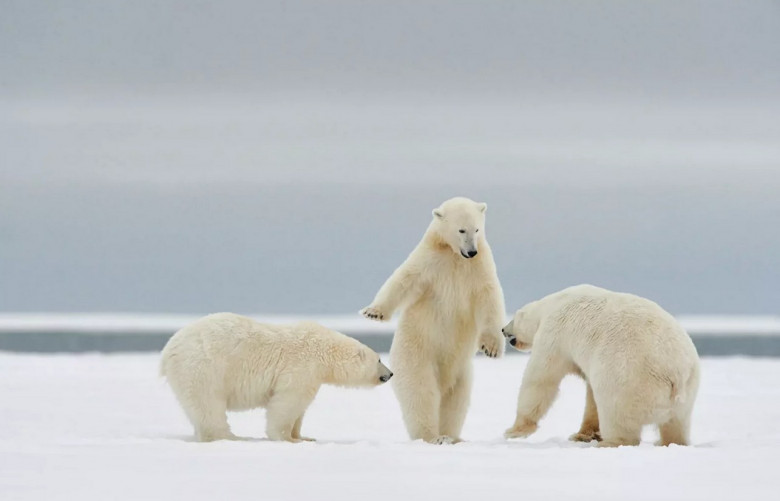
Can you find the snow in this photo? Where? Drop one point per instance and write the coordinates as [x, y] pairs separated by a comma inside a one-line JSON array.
[[106, 427], [140, 323]]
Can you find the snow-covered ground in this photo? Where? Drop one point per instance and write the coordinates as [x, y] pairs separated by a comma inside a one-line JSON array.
[[106, 427]]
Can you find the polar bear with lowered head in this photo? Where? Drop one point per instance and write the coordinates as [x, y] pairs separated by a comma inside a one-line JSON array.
[[451, 305], [639, 365], [227, 362]]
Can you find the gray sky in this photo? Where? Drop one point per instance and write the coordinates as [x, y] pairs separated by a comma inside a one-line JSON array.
[[284, 157], [700, 48]]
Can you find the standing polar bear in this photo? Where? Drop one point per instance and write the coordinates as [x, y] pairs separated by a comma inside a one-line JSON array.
[[451, 304], [639, 365], [227, 362]]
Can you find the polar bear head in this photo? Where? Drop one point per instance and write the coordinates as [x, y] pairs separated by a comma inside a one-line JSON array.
[[355, 364], [460, 223], [520, 331]]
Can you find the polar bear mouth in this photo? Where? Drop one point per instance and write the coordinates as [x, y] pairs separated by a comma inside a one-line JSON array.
[[517, 344]]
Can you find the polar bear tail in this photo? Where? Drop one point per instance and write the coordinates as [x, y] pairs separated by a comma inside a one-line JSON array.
[[680, 391], [678, 394]]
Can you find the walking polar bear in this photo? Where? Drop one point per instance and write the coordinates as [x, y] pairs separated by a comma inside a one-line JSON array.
[[451, 304], [227, 362], [639, 365]]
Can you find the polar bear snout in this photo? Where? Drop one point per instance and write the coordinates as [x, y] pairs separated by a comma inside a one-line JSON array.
[[511, 338], [516, 343], [507, 330], [384, 373], [468, 246]]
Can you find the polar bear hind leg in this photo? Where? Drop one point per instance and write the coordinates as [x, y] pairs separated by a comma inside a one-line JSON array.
[[208, 416], [675, 431], [622, 414], [618, 429], [420, 402], [454, 406], [203, 406]]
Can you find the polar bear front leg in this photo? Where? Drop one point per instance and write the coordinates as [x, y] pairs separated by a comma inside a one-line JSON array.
[[403, 287], [283, 412], [589, 430], [490, 319], [538, 390], [491, 344]]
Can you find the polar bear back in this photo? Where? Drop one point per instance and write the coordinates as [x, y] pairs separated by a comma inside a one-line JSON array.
[[236, 340], [598, 327]]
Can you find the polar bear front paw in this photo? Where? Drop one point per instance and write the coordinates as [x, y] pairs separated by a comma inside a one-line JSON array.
[[374, 313], [492, 346]]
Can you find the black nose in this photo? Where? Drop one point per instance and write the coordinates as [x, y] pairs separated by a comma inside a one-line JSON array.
[[385, 379], [513, 341], [472, 253]]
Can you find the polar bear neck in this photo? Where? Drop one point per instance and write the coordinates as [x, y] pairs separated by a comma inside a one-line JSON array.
[[339, 364]]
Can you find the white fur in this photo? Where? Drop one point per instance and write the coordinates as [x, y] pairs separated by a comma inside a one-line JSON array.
[[451, 305], [228, 362], [639, 364]]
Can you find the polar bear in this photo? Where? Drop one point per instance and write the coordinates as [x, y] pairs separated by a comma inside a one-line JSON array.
[[639, 365], [228, 362], [451, 305]]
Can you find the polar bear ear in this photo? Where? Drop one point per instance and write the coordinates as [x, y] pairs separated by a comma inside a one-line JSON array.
[[438, 214], [482, 207]]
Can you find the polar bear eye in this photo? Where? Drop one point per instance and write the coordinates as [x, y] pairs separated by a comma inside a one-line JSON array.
[[476, 231], [461, 231]]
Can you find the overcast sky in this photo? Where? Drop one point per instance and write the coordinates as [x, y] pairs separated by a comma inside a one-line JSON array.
[[284, 157], [700, 48]]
